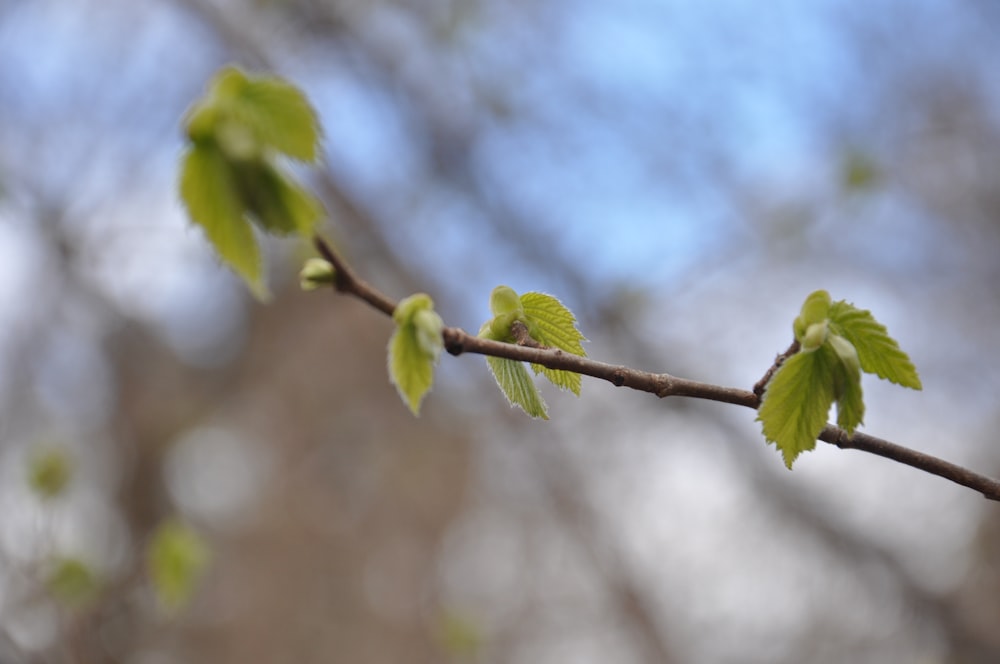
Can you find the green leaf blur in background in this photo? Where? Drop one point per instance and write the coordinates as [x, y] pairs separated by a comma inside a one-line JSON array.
[[548, 322], [414, 348], [176, 557], [837, 342], [73, 582], [458, 635], [50, 471], [231, 175]]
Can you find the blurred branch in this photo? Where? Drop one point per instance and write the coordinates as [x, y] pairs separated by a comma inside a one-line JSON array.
[[562, 483], [458, 341]]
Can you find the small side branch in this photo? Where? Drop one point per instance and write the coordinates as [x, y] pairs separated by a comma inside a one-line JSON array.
[[758, 387], [346, 281], [457, 341]]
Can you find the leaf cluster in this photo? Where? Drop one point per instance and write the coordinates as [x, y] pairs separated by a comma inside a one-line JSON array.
[[550, 324], [232, 176], [837, 342]]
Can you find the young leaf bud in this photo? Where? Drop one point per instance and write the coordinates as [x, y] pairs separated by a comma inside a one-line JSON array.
[[200, 122], [848, 355], [409, 306], [238, 141], [315, 273], [428, 326], [816, 334], [815, 309], [229, 83], [504, 300], [500, 326]]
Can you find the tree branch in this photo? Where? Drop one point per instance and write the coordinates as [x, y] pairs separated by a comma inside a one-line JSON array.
[[458, 341]]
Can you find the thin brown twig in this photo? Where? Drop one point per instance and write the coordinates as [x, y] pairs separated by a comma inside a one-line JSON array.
[[346, 281], [758, 387], [458, 341]]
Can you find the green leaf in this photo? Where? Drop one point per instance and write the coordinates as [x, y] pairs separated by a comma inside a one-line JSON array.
[[281, 116], [846, 382], [251, 115], [231, 175], [551, 324], [275, 202], [176, 558], [878, 353], [796, 403], [414, 348], [517, 385], [851, 407], [210, 192]]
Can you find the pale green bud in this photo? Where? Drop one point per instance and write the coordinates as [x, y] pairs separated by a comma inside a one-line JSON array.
[[238, 141], [409, 306], [815, 309], [315, 273], [848, 354], [200, 122], [816, 334], [504, 300], [428, 326]]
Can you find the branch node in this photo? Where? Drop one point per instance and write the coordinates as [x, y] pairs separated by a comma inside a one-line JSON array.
[[521, 335], [453, 337], [761, 385]]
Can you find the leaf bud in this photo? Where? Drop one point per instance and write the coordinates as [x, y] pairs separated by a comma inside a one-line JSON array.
[[200, 122], [409, 306], [816, 334], [815, 309], [504, 300], [848, 355], [315, 273], [428, 326]]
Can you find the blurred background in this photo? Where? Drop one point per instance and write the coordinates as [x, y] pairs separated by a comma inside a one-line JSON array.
[[680, 174]]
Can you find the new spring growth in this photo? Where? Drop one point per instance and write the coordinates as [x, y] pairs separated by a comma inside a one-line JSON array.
[[506, 307], [414, 348], [417, 311], [316, 272], [812, 324]]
